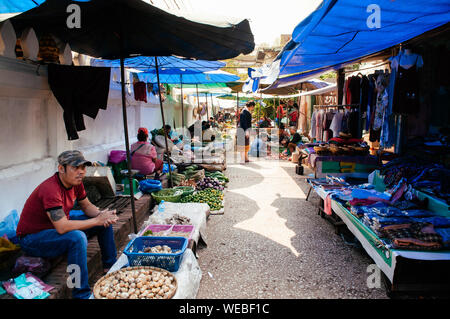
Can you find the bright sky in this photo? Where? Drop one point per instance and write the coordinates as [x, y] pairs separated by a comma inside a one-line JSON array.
[[268, 18]]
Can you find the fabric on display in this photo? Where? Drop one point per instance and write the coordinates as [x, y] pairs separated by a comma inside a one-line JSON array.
[[413, 236], [80, 90]]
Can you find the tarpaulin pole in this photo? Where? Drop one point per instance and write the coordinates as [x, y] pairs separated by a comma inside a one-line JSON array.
[[212, 108], [164, 123], [206, 101], [125, 128], [198, 103], [257, 124], [182, 102]]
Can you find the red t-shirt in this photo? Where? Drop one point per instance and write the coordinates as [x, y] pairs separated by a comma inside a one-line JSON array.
[[49, 194]]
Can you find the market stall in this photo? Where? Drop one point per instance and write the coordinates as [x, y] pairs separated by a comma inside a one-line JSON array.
[[411, 260], [163, 253]]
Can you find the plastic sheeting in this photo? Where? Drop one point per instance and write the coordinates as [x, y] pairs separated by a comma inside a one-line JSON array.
[[166, 64], [344, 30], [193, 78]]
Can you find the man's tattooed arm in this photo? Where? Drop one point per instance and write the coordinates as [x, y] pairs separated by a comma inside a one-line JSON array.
[[56, 214]]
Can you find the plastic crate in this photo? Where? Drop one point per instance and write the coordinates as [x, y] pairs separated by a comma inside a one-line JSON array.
[[176, 228], [170, 262]]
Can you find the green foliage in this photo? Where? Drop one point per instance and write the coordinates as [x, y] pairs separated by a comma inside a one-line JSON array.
[[329, 75]]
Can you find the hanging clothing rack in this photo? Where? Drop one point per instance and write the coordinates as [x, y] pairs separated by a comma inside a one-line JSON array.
[[336, 105]]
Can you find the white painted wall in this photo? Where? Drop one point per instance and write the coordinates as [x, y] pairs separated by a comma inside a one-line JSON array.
[[32, 130]]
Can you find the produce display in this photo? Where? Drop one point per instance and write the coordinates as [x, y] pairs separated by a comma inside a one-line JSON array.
[[209, 182], [178, 219], [218, 175], [136, 283], [158, 249], [176, 178], [210, 196], [190, 182], [193, 172]]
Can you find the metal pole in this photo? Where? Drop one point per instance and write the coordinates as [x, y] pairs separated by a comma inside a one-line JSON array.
[[127, 142], [198, 102], [182, 102], [237, 109], [257, 126], [206, 101], [212, 108], [164, 123], [276, 111]]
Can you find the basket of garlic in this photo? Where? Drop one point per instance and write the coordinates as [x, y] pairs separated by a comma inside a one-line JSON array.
[[142, 282], [162, 252]]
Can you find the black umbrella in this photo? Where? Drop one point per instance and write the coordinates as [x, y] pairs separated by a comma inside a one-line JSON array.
[[117, 29]]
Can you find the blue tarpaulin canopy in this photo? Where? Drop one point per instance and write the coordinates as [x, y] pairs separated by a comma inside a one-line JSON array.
[[340, 31], [166, 64], [193, 78], [10, 8]]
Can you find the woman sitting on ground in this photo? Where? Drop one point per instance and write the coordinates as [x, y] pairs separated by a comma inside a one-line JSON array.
[[143, 155]]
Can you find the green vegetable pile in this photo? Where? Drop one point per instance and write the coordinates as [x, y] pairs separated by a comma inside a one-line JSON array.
[[210, 196], [218, 175]]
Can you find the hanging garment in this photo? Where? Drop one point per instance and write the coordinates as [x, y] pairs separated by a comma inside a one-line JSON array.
[[312, 131], [326, 123], [140, 91], [319, 129], [387, 138], [348, 92], [370, 101], [406, 96], [344, 92], [336, 123], [382, 102], [353, 124], [365, 87], [79, 90], [355, 89]]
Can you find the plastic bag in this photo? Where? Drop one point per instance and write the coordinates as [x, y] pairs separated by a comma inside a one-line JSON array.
[[9, 225], [35, 265], [117, 156], [166, 168], [27, 286], [149, 186]]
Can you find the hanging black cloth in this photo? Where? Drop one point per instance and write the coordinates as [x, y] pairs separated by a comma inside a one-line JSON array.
[[406, 92], [79, 90]]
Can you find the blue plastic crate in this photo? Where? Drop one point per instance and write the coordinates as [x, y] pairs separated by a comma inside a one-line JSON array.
[[170, 262]]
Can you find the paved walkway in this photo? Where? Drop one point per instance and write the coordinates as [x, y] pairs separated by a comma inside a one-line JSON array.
[[270, 243]]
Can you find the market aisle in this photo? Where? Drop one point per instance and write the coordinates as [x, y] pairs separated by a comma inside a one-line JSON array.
[[272, 244]]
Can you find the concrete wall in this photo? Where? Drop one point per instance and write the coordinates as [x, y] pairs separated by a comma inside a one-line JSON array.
[[32, 130]]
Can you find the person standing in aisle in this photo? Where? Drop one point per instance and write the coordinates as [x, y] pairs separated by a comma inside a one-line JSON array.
[[245, 123]]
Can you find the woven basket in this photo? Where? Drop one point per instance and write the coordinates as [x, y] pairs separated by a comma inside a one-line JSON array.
[[97, 285]]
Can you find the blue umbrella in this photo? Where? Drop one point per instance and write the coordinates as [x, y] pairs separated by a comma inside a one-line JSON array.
[[172, 70], [189, 78], [167, 64]]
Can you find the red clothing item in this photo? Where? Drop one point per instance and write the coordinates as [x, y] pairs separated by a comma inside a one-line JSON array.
[[140, 91], [280, 112], [49, 194], [293, 116]]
